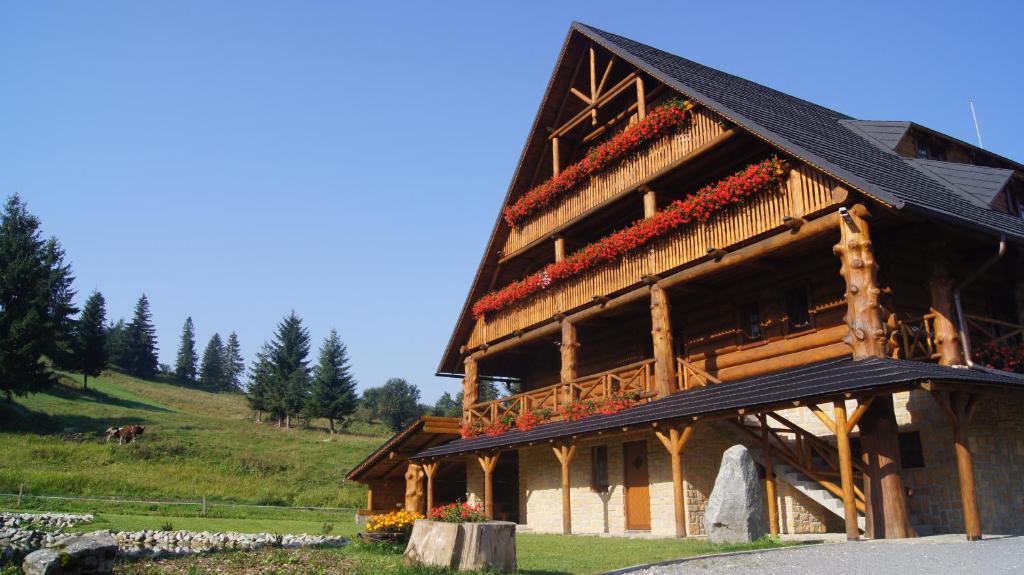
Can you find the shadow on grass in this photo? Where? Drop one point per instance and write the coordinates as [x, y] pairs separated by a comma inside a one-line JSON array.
[[17, 417], [93, 395]]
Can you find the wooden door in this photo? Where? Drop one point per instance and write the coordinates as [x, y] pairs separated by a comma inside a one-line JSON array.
[[637, 486]]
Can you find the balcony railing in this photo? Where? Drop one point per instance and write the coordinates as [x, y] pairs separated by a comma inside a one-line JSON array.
[[915, 338], [804, 193], [636, 378], [615, 181]]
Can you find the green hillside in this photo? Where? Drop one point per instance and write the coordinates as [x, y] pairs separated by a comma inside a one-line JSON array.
[[196, 444]]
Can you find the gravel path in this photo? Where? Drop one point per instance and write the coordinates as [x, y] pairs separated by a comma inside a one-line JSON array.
[[944, 555]]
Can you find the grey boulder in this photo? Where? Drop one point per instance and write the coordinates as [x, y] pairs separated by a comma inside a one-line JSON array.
[[736, 509]]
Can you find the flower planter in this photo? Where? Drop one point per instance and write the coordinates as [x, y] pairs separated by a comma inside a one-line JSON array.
[[488, 545]]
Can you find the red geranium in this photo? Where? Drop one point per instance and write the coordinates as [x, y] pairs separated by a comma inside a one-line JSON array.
[[662, 120], [698, 207]]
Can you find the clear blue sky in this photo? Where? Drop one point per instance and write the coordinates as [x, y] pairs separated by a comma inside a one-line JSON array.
[[237, 160]]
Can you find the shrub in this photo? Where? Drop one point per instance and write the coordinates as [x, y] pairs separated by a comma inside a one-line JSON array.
[[458, 512]]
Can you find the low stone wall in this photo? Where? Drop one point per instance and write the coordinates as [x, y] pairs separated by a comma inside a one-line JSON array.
[[44, 521]]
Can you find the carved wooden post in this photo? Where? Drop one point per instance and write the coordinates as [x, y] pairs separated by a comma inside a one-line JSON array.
[[470, 391], [430, 469], [565, 453], [846, 471], [488, 463], [674, 442], [568, 347], [886, 512], [661, 331], [947, 338], [414, 488], [860, 271], [769, 478], [959, 407]]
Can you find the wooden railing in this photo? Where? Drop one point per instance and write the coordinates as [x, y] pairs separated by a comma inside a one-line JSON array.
[[996, 331], [914, 339], [689, 376], [804, 192], [635, 378], [617, 180]]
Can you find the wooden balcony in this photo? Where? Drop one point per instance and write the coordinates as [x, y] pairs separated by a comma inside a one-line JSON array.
[[618, 180], [804, 193], [914, 339], [633, 378]]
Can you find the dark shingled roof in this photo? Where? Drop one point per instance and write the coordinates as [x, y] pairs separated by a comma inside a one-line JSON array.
[[886, 133], [979, 184], [814, 380], [810, 132]]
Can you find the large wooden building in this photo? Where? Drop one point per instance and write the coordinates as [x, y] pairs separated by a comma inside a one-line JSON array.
[[687, 260]]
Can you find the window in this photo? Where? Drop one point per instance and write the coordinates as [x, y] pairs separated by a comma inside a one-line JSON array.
[[798, 310], [928, 150], [911, 455], [750, 321], [599, 469]]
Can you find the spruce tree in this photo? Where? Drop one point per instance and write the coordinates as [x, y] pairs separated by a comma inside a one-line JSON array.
[[211, 374], [280, 379], [35, 296], [261, 374], [117, 344], [91, 344], [141, 344], [234, 365], [185, 366], [333, 393]]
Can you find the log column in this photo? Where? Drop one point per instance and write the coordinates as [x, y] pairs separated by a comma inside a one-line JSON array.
[[565, 453], [661, 332], [947, 338], [959, 407], [470, 391], [886, 512], [488, 463], [414, 488], [860, 272], [568, 347], [369, 498], [430, 469], [846, 470], [769, 478], [675, 442]]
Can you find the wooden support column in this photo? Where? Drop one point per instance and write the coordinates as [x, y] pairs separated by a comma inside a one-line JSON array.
[[959, 407], [556, 159], [887, 515], [369, 498], [488, 463], [650, 201], [559, 248], [470, 390], [429, 469], [947, 338], [568, 347], [769, 478], [593, 85], [641, 99], [565, 453], [661, 332], [846, 470], [860, 271], [675, 442], [414, 488]]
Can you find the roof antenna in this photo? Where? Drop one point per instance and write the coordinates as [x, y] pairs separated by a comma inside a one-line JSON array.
[[977, 130]]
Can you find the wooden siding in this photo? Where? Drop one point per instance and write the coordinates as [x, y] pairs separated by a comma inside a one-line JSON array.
[[618, 180], [805, 193]]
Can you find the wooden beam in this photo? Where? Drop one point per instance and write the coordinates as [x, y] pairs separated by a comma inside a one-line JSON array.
[[593, 84], [641, 99], [650, 202], [887, 515], [564, 454], [580, 95], [958, 407], [488, 463], [470, 388], [591, 110], [858, 413], [661, 333], [559, 248], [605, 76], [429, 469], [769, 478], [369, 499], [675, 441], [568, 347], [825, 419], [846, 471]]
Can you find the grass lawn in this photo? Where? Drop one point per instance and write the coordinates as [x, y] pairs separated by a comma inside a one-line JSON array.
[[196, 444]]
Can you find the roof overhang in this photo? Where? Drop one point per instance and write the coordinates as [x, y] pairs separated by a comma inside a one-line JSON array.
[[424, 433]]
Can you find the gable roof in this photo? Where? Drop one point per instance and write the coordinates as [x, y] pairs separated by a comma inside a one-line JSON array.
[[813, 381], [856, 154], [978, 184], [424, 433], [886, 134]]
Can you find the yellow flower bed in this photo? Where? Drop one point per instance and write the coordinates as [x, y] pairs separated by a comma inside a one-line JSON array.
[[394, 522]]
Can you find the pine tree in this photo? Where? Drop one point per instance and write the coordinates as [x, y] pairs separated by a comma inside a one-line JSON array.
[[185, 366], [117, 344], [234, 365], [35, 296], [333, 394], [91, 344], [211, 374], [280, 374], [260, 381], [141, 344]]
